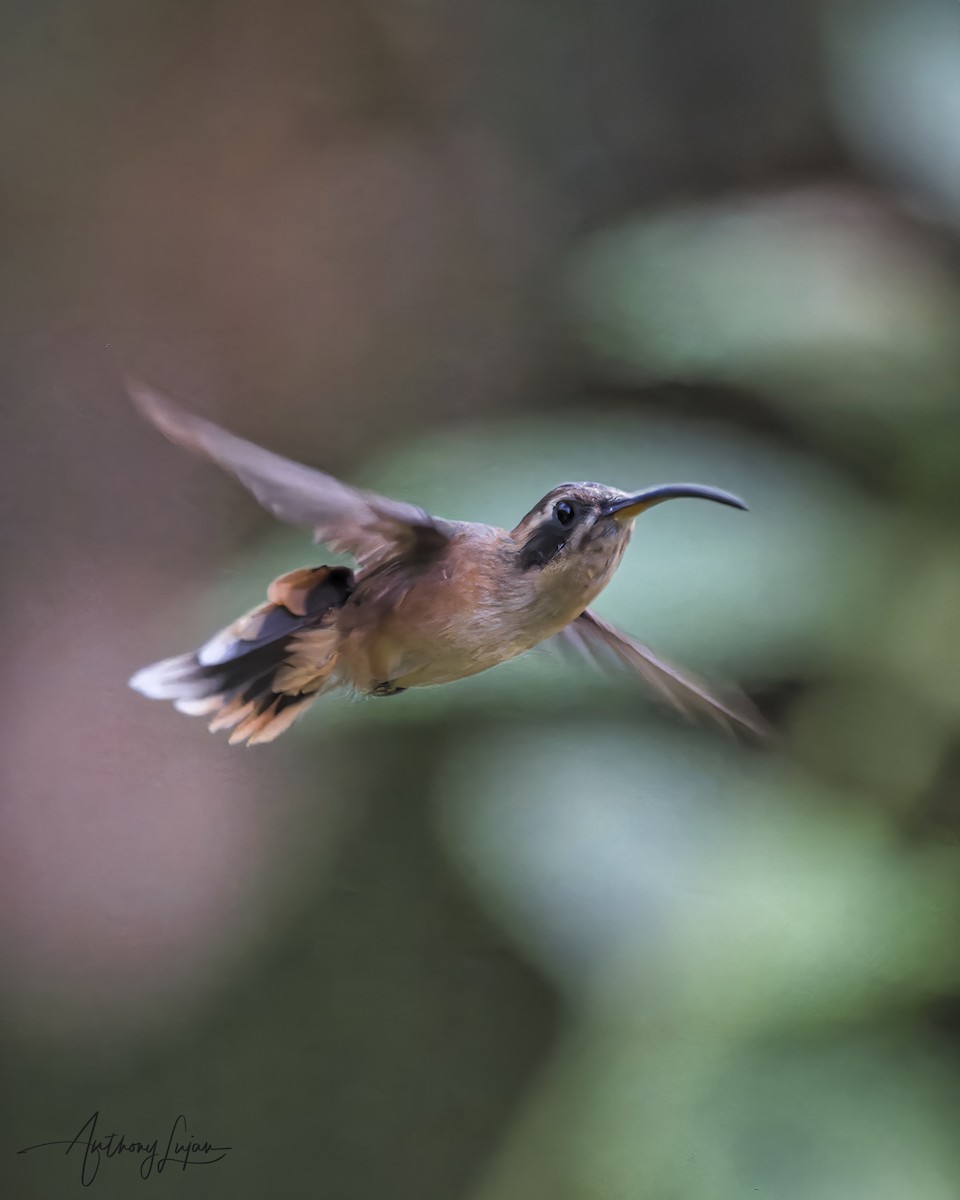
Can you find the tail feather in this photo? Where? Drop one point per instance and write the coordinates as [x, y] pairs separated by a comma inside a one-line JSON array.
[[241, 679], [265, 723]]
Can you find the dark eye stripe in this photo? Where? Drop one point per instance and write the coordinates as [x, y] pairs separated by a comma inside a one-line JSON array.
[[543, 545]]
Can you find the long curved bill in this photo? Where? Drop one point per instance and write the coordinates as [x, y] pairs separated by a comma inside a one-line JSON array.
[[632, 506]]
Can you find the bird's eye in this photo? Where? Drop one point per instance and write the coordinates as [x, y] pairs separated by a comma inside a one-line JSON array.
[[563, 512]]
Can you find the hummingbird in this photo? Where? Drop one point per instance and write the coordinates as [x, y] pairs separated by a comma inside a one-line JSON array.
[[430, 601]]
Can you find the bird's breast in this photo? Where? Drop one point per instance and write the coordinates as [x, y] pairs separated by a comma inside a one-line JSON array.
[[459, 616], [450, 620]]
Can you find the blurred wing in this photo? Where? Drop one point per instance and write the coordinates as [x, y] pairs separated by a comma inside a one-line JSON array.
[[372, 528], [607, 646]]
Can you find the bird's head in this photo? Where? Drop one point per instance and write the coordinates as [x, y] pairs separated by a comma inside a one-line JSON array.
[[582, 529]]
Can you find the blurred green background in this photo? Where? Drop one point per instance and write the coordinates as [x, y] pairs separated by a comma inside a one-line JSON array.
[[526, 936]]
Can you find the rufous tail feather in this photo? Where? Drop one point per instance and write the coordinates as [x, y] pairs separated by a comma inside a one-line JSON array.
[[257, 676]]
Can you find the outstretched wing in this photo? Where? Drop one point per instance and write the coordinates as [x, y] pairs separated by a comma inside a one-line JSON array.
[[608, 646], [372, 528]]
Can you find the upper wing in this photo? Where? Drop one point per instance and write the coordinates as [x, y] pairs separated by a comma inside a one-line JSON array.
[[372, 528], [606, 645]]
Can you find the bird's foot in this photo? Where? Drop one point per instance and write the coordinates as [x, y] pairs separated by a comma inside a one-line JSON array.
[[387, 689]]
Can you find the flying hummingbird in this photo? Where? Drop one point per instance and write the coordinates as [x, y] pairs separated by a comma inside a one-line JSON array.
[[431, 600]]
